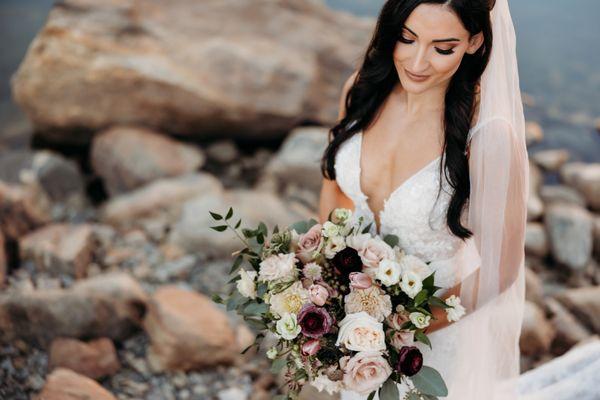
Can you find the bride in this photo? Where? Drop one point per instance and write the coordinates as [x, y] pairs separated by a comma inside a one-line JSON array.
[[430, 147]]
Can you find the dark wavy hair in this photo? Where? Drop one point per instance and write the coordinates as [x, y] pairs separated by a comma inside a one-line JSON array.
[[377, 77]]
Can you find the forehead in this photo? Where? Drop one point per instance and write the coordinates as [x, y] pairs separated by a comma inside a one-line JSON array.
[[435, 21]]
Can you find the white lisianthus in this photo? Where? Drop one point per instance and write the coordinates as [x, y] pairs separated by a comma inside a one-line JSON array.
[[290, 300], [334, 245], [322, 382], [419, 319], [287, 327], [411, 263], [330, 229], [341, 215], [361, 332], [411, 283], [457, 310], [245, 285], [278, 267], [389, 272], [272, 353]]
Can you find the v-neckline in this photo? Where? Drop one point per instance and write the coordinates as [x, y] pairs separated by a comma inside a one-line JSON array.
[[393, 192]]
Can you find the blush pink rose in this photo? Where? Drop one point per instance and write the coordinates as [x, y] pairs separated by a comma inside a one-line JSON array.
[[360, 280], [399, 339], [318, 294], [309, 242], [365, 372], [395, 320]]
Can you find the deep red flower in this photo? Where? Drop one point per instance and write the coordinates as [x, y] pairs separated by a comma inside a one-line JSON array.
[[410, 360], [314, 321]]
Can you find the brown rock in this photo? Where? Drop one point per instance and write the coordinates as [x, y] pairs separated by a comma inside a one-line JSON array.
[[551, 160], [128, 157], [64, 384], [534, 287], [561, 194], [534, 132], [537, 333], [187, 331], [60, 248], [569, 331], [535, 207], [163, 194], [109, 305], [94, 359], [584, 303], [597, 236], [22, 209], [177, 67]]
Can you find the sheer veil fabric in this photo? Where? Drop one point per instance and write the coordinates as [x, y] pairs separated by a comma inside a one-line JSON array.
[[487, 357]]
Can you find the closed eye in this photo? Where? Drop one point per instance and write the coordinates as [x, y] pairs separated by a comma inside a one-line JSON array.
[[441, 51]]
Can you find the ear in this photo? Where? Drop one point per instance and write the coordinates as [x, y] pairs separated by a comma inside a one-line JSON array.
[[475, 43]]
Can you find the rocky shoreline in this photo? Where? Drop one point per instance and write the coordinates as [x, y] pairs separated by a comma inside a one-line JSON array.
[[107, 261]]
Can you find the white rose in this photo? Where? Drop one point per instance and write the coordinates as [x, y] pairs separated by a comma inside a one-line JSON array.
[[278, 267], [334, 245], [414, 264], [287, 327], [388, 272], [411, 283], [330, 229], [245, 285], [419, 319], [455, 313], [361, 332]]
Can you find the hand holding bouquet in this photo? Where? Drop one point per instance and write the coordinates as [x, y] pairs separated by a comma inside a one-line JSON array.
[[345, 306]]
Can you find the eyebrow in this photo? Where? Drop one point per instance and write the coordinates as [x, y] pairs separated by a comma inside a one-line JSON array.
[[436, 40]]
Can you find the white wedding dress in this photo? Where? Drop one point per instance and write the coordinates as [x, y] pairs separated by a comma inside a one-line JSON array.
[[416, 215]]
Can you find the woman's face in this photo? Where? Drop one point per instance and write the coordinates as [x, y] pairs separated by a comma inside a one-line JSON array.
[[431, 45]]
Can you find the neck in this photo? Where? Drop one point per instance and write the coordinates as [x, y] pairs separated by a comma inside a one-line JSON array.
[[423, 104]]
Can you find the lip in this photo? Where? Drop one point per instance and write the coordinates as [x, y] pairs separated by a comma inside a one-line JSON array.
[[416, 78]]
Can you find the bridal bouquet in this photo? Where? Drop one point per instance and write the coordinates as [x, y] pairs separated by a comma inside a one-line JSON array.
[[345, 306]]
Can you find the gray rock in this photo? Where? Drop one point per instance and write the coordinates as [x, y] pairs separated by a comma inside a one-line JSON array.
[[536, 239], [109, 305], [298, 160], [597, 236], [223, 151], [177, 67], [586, 179], [561, 194], [551, 160], [570, 231], [572, 376], [535, 207], [129, 157]]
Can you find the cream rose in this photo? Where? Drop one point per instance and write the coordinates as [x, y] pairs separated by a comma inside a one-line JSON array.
[[245, 285], [457, 311], [278, 267], [414, 264], [366, 372], [361, 332]]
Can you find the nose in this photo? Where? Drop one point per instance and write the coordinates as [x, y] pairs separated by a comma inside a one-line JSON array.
[[419, 63]]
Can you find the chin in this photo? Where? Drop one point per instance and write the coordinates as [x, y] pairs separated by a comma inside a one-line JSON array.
[[414, 87]]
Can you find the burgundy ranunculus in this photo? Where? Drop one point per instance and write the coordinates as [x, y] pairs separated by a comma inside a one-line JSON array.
[[410, 360], [347, 261], [314, 321]]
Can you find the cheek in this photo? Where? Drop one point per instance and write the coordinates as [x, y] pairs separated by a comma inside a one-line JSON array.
[[446, 65]]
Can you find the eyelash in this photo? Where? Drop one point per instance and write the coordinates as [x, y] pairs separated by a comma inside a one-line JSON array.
[[444, 52]]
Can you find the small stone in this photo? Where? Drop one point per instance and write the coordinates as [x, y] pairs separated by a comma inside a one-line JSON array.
[[95, 359], [551, 160], [536, 240], [64, 384]]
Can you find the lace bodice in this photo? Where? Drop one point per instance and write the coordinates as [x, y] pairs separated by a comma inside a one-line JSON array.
[[413, 211]]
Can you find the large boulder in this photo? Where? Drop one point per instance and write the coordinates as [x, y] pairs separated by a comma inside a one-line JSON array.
[[22, 209], [584, 303], [193, 233], [204, 68], [129, 157], [188, 331], [537, 332], [64, 384], [164, 194], [298, 160], [570, 230], [110, 305]]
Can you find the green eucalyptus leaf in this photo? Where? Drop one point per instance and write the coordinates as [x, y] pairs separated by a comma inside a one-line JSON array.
[[229, 213], [421, 297], [237, 225], [421, 337], [429, 381], [392, 240], [437, 302], [219, 228], [389, 390], [372, 395], [278, 365], [256, 309], [216, 216]]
